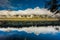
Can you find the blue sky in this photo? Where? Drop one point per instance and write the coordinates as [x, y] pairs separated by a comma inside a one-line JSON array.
[[21, 4]]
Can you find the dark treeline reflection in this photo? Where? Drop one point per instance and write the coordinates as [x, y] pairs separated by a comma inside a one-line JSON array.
[[22, 35], [20, 24]]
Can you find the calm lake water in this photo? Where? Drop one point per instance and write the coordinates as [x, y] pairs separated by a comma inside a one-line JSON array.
[[31, 33]]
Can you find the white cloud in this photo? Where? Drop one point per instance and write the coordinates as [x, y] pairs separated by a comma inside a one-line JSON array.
[[6, 4], [3, 2]]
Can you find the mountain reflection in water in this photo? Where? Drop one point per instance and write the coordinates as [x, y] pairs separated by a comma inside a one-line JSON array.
[[31, 33]]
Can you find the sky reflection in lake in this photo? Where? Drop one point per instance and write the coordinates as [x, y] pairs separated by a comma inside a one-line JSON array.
[[31, 35]]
